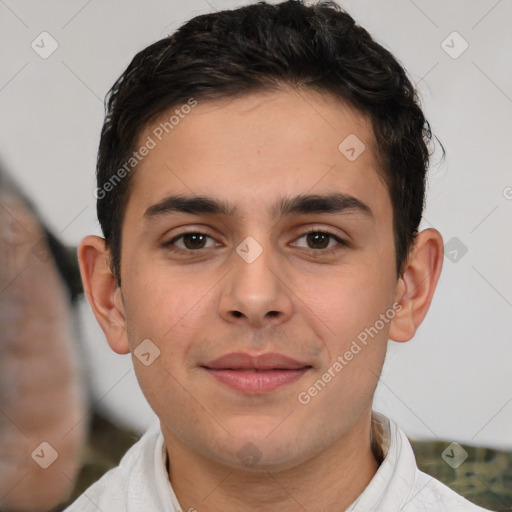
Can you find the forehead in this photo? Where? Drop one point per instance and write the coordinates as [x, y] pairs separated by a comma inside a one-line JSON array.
[[257, 148]]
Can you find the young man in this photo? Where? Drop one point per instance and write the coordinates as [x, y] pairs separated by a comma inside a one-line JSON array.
[[261, 180]]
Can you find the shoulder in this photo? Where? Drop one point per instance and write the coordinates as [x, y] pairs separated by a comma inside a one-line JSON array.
[[399, 484], [112, 491], [428, 493]]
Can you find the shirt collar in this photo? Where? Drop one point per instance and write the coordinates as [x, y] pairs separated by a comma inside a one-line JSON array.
[[394, 480]]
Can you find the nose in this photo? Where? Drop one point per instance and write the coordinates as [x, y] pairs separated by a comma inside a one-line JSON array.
[[255, 291]]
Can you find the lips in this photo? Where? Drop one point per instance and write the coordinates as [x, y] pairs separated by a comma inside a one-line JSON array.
[[256, 374], [242, 361]]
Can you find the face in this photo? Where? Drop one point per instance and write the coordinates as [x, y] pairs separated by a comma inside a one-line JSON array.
[[267, 312]]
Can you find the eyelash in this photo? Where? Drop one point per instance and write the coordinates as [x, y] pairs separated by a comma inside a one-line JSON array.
[[170, 244]]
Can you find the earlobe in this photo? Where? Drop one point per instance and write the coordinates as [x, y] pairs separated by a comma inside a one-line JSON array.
[[416, 286], [102, 292]]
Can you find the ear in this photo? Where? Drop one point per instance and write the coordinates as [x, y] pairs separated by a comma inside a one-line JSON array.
[[417, 283], [102, 292]]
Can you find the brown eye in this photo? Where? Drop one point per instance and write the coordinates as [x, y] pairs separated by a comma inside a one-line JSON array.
[[318, 240], [194, 240], [321, 241], [191, 241]]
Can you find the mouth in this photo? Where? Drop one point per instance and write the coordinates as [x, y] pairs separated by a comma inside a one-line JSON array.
[[256, 375]]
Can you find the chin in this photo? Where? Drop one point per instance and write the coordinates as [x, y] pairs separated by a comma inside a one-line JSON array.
[[261, 452], [252, 459]]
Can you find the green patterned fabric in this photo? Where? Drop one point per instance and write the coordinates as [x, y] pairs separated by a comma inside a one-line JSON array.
[[485, 477]]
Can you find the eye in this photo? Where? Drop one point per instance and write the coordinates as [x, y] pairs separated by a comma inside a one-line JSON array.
[[315, 239], [191, 241], [321, 240]]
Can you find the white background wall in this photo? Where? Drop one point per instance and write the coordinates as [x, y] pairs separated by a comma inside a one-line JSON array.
[[454, 380]]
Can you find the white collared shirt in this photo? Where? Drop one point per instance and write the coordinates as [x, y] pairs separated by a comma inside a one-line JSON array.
[[140, 483]]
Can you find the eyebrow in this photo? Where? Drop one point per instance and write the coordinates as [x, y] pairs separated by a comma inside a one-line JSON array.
[[300, 204]]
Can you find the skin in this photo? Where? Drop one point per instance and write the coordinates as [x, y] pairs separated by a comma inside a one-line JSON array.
[[41, 397], [295, 298]]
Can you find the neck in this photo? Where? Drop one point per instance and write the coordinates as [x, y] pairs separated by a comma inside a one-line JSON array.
[[331, 480]]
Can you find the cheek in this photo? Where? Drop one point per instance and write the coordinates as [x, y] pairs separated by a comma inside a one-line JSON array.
[[352, 308], [168, 309], [348, 299], [167, 306], [350, 302]]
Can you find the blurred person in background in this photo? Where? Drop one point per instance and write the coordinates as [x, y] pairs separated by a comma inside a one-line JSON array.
[[43, 420]]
